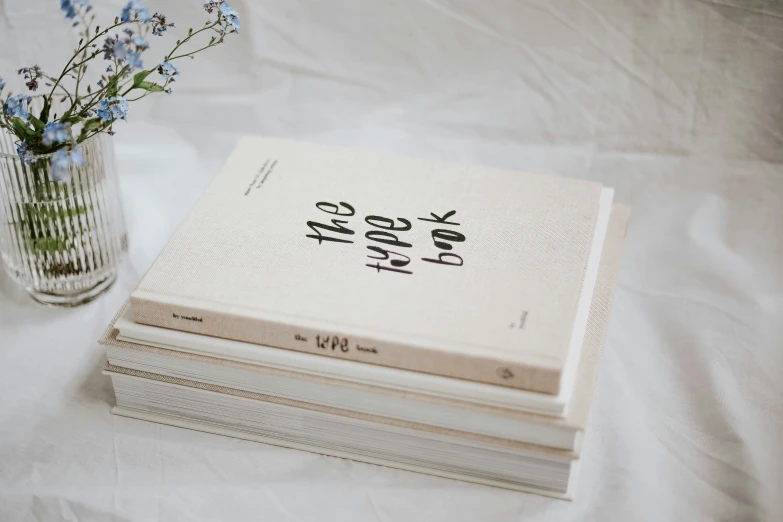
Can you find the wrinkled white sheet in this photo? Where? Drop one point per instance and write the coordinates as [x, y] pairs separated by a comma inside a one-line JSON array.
[[676, 103]]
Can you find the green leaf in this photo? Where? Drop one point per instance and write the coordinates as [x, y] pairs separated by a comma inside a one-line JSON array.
[[91, 124], [21, 129], [45, 111], [151, 87], [139, 78], [38, 124]]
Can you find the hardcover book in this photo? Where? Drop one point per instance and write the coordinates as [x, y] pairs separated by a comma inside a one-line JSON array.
[[456, 270]]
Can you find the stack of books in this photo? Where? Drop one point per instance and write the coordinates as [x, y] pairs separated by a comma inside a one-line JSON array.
[[440, 318]]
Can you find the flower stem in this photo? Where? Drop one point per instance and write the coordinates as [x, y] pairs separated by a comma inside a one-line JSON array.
[[65, 92], [68, 67], [186, 39], [212, 44], [140, 97]]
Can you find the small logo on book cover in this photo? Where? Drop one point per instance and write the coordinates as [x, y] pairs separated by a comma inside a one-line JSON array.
[[188, 318], [504, 373]]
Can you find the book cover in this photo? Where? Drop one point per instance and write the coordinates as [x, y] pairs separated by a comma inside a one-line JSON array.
[[456, 270]]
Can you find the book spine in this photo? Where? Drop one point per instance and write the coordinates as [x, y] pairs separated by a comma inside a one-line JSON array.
[[154, 310]]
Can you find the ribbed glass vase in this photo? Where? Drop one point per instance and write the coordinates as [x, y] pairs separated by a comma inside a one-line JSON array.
[[61, 240]]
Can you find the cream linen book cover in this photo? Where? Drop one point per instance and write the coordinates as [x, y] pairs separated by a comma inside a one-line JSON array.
[[456, 270]]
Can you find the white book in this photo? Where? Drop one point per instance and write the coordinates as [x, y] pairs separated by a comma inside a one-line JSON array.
[[473, 459], [345, 369], [456, 270]]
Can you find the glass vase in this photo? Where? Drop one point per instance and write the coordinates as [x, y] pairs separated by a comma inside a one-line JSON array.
[[61, 240]]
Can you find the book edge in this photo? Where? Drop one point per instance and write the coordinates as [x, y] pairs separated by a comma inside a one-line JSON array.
[[598, 326], [109, 369], [185, 424]]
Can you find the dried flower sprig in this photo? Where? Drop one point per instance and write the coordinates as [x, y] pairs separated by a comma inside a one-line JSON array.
[[92, 109]]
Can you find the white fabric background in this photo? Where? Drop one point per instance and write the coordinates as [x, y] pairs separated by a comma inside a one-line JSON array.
[[676, 103]]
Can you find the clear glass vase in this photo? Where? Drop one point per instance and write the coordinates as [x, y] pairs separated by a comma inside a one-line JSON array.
[[62, 241]]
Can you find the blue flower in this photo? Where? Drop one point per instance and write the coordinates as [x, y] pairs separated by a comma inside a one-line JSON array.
[[168, 91], [113, 47], [231, 15], [14, 107], [140, 43], [159, 25], [61, 163], [227, 13], [68, 8], [134, 60], [77, 157], [113, 109], [135, 10], [55, 133], [100, 83], [119, 48], [109, 69], [25, 154], [167, 70]]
